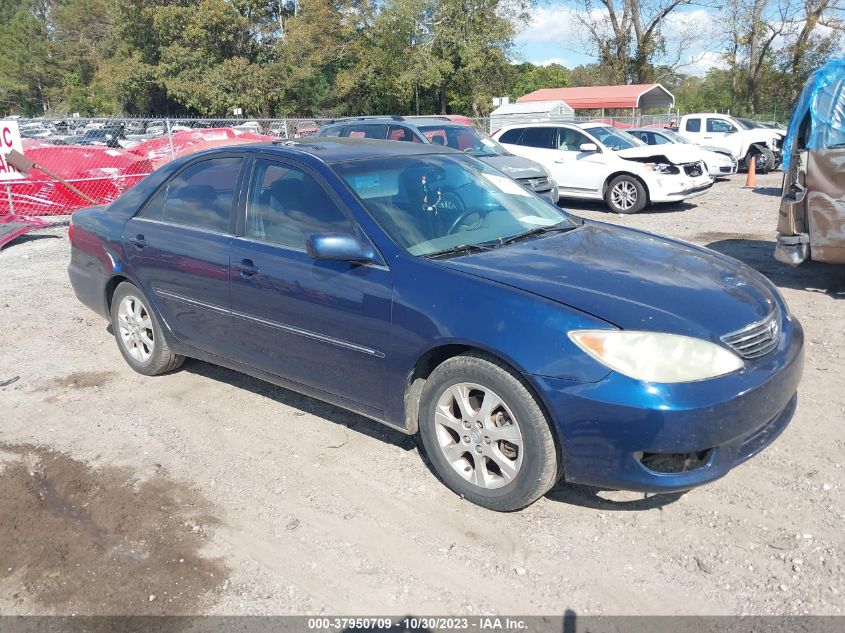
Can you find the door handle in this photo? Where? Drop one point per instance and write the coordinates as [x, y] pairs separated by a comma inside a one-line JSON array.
[[138, 241], [560, 160], [245, 267]]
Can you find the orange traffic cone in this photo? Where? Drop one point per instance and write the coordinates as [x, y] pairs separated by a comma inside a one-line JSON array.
[[751, 179]]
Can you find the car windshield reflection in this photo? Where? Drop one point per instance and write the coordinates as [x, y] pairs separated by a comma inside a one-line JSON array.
[[448, 203]]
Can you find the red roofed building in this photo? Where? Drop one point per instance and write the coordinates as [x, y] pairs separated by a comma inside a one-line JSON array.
[[641, 96]]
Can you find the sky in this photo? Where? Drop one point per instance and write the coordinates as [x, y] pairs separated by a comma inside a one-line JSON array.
[[554, 35]]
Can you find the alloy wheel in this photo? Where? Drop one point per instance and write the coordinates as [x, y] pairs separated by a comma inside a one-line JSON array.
[[478, 435], [136, 328], [624, 195]]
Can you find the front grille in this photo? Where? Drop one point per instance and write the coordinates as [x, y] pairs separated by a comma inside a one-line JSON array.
[[535, 184], [726, 170], [756, 340], [694, 170]]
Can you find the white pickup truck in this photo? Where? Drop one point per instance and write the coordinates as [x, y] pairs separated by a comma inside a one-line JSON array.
[[741, 138]]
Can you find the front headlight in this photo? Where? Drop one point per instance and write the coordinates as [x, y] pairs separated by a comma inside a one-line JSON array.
[[657, 357], [662, 168]]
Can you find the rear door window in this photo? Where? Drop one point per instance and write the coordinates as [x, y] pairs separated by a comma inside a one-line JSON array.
[[358, 130], [399, 133], [334, 130], [693, 125], [201, 196]]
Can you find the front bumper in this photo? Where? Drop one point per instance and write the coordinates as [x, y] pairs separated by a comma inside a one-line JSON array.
[[724, 169], [608, 427], [678, 189]]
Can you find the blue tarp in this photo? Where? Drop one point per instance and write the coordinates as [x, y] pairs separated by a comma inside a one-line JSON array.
[[824, 97]]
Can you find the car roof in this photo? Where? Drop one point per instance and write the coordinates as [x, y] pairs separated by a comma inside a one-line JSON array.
[[415, 121], [543, 124], [331, 149]]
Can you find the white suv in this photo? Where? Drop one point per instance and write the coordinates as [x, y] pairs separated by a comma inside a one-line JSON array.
[[594, 162]]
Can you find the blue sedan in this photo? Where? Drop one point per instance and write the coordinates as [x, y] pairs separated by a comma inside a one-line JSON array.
[[424, 289]]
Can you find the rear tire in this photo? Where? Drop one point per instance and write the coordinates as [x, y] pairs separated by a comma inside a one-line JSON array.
[[485, 433], [138, 333], [626, 194]]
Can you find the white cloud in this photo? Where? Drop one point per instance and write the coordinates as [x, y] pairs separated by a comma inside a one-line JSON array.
[[561, 61], [699, 63]]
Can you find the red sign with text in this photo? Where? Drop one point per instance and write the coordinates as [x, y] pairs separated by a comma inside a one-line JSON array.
[[10, 138]]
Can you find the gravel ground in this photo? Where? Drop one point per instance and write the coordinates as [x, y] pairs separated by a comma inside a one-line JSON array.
[[206, 491]]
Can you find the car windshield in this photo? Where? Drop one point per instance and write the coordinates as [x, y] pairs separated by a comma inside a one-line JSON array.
[[463, 138], [746, 124], [444, 204], [674, 136], [614, 139]]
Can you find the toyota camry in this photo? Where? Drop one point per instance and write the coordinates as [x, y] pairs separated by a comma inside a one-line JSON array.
[[419, 287]]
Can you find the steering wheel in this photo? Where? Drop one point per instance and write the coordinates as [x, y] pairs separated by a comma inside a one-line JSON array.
[[460, 220], [450, 201]]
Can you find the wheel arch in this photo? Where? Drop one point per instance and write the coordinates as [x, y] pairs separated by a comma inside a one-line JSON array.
[[434, 356], [111, 286], [618, 173]]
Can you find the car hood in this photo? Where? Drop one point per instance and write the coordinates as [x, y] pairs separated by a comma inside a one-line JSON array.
[[515, 166], [631, 279], [759, 135], [715, 149], [675, 153]]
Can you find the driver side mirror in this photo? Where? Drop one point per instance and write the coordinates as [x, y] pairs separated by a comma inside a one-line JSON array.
[[588, 147], [338, 247]]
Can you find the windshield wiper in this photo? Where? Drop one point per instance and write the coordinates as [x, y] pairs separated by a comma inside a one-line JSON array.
[[463, 249], [540, 230]]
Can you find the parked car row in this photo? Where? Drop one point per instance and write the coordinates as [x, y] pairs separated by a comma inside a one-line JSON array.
[[585, 161], [127, 132]]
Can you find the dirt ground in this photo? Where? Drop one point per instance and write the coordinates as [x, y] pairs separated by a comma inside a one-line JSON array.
[[205, 491]]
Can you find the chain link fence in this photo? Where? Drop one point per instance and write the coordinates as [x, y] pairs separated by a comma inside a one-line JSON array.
[[100, 158]]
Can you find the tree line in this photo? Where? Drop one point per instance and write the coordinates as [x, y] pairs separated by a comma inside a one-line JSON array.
[[351, 57]]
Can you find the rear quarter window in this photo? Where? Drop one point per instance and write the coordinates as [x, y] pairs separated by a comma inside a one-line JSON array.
[[542, 137], [511, 136], [693, 125]]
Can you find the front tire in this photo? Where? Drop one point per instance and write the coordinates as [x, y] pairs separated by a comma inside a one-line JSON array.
[[764, 160], [626, 194], [485, 433], [138, 333]]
